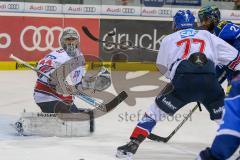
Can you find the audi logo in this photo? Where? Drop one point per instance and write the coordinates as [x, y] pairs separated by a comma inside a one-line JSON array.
[[13, 6], [128, 10], [164, 12], [89, 9], [50, 8], [43, 37], [7, 40]]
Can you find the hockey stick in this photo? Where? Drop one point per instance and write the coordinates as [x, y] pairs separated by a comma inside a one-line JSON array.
[[125, 44], [28, 65], [157, 138], [91, 36], [105, 107], [90, 100]]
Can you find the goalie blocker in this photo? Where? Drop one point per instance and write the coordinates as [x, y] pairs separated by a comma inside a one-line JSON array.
[[56, 124]]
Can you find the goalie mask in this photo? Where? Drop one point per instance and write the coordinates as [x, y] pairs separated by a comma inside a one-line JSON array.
[[70, 41]]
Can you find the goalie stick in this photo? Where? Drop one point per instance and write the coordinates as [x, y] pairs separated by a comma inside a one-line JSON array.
[[105, 107], [157, 138], [123, 44]]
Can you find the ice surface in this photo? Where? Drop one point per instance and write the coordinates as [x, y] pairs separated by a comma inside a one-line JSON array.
[[112, 130]]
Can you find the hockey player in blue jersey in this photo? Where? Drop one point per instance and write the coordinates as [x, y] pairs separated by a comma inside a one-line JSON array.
[[228, 136], [210, 16], [210, 19]]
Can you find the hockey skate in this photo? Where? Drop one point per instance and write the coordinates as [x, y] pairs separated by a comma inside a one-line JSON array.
[[127, 151]]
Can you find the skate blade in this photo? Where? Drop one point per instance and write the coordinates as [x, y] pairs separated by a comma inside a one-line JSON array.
[[121, 155]]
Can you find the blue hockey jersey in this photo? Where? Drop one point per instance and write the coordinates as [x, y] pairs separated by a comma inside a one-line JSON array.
[[229, 32]]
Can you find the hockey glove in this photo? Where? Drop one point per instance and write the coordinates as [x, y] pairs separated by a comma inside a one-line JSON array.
[[99, 83]]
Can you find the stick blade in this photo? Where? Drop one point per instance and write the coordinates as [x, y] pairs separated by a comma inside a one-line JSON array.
[[157, 138], [89, 34], [116, 101]]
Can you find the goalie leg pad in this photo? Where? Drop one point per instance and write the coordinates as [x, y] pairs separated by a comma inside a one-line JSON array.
[[60, 125]]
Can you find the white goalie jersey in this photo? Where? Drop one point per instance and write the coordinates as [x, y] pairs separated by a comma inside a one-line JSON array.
[[44, 91], [181, 44]]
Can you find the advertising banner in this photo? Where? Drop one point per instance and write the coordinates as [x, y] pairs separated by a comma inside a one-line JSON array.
[[156, 11], [142, 33], [11, 7], [193, 10], [30, 38], [81, 9], [230, 14], [121, 10], [43, 8]]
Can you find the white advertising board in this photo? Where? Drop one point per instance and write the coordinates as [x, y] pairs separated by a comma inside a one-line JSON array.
[[121, 10], [156, 11], [11, 6], [230, 14], [43, 8], [81, 9]]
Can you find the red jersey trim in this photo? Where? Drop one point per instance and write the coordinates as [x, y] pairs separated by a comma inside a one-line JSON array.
[[45, 89]]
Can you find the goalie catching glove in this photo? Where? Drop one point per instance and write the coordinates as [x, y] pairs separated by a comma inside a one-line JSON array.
[[99, 83]]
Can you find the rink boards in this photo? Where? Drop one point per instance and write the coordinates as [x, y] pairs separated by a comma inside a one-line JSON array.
[[114, 66]]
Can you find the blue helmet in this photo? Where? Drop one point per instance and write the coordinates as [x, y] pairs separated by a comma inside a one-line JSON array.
[[183, 20], [209, 12]]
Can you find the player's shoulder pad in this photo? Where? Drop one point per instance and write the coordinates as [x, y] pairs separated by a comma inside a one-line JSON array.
[[171, 36], [166, 38], [58, 54], [223, 28], [204, 32]]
